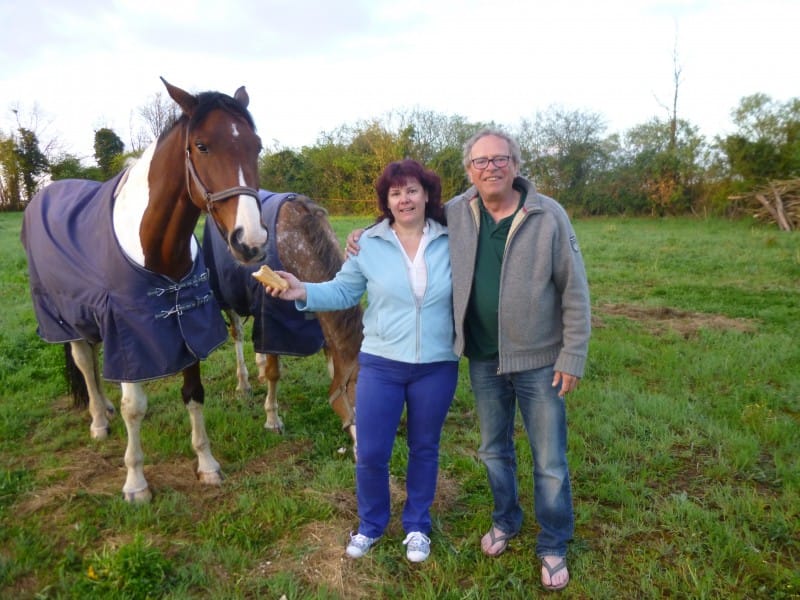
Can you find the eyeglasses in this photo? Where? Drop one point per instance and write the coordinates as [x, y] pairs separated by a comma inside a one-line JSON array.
[[482, 162]]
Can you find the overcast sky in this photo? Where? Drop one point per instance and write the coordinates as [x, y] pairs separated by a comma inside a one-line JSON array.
[[311, 66]]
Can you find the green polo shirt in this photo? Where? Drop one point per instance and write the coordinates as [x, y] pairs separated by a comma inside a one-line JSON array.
[[481, 324]]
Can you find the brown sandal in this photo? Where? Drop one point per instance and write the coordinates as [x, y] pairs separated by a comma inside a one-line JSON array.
[[502, 537]]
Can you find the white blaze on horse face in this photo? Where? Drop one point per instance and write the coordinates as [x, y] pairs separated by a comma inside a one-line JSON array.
[[248, 217]]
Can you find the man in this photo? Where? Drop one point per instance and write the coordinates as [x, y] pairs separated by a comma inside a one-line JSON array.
[[522, 314], [522, 318]]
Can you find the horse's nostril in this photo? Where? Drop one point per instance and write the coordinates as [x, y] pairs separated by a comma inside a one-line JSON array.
[[236, 237], [244, 252]]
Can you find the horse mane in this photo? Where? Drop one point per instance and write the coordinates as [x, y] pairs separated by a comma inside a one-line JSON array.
[[206, 102], [317, 230]]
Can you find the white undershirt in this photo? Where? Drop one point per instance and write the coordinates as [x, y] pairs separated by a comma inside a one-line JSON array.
[[416, 269]]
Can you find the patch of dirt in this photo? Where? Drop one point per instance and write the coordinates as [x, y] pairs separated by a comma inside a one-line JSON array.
[[661, 319], [99, 469], [323, 562]]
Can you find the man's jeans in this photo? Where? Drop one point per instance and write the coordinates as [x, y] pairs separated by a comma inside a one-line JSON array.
[[544, 416]]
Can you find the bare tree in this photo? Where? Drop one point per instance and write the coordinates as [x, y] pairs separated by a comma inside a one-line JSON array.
[[672, 111], [158, 115]]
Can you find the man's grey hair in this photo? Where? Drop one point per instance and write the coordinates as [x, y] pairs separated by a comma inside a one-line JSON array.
[[513, 145]]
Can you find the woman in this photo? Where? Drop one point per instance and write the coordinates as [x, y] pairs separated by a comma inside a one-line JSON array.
[[406, 359]]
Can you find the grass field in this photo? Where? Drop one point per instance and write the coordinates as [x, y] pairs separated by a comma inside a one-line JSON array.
[[684, 451]]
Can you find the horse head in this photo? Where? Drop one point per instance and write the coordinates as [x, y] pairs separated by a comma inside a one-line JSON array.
[[222, 151]]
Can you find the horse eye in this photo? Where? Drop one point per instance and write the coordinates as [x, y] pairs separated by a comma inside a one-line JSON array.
[[201, 147]]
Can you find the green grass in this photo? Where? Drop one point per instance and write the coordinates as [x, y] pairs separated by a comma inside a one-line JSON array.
[[683, 451]]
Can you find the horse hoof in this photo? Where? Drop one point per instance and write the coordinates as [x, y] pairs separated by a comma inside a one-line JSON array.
[[139, 497], [244, 391], [210, 477], [274, 428]]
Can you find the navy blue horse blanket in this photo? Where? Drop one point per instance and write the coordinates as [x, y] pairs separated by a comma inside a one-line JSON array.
[[278, 327], [84, 286]]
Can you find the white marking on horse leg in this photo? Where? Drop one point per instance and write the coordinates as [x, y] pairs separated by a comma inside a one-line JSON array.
[[208, 469], [272, 373], [133, 407], [237, 333], [261, 366], [329, 362], [274, 422], [86, 361], [111, 410]]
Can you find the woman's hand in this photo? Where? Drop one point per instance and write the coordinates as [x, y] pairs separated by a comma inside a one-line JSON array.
[[295, 291]]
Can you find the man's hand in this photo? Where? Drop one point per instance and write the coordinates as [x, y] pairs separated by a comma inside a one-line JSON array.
[[568, 382], [351, 247]]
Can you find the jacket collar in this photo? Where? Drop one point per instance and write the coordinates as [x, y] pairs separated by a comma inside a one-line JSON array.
[[384, 230], [533, 202]]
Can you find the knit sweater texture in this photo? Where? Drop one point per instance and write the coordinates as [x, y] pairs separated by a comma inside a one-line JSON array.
[[544, 315]]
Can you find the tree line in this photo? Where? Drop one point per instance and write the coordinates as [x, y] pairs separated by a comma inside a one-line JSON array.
[[661, 167]]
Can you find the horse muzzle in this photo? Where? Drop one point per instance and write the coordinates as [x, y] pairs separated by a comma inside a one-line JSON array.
[[244, 252]]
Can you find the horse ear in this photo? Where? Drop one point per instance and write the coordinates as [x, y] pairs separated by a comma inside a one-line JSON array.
[[184, 99], [241, 97]]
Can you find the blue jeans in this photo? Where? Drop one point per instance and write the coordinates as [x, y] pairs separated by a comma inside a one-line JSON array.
[[544, 416], [385, 387]]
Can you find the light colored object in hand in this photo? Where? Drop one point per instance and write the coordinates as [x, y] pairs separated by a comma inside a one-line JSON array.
[[269, 277]]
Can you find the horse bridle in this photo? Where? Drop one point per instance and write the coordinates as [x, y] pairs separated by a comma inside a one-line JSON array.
[[211, 197]]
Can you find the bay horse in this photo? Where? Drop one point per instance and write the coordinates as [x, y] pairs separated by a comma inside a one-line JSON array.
[[117, 264], [303, 242]]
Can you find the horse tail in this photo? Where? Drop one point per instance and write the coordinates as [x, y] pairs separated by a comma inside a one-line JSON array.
[[75, 381]]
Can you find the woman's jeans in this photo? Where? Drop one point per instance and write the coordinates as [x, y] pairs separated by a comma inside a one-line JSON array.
[[385, 387], [544, 416]]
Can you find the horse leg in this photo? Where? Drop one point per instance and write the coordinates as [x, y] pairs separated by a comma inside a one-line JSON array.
[[133, 407], [237, 334], [208, 469], [101, 409], [261, 366], [270, 370], [341, 393]]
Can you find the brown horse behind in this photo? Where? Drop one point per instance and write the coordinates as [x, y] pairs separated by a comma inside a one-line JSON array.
[[304, 243]]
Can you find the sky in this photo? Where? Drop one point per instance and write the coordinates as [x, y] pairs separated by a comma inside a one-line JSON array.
[[71, 67]]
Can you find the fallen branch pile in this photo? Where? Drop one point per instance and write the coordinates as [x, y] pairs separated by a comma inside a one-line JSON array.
[[777, 202]]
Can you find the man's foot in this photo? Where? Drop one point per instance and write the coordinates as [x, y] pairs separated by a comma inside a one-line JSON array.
[[555, 575], [495, 542]]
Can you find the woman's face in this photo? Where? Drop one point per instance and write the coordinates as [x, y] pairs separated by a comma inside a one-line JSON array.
[[407, 202]]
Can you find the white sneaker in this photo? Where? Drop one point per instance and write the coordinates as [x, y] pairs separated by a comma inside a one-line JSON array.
[[359, 544], [418, 546]]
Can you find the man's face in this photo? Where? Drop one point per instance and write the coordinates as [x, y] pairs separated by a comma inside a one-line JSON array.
[[492, 181]]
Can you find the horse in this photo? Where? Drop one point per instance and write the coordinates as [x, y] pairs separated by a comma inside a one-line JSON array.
[[117, 264], [303, 242]]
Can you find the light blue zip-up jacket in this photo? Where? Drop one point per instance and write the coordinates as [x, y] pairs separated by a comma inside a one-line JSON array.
[[396, 325]]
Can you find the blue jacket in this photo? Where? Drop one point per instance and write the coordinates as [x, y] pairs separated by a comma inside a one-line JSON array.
[[396, 325]]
